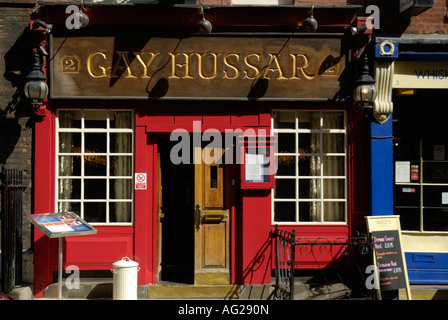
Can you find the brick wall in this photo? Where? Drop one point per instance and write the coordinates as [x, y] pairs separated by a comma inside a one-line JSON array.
[[16, 125]]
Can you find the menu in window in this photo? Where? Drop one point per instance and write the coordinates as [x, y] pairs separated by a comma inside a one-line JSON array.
[[61, 224], [402, 171]]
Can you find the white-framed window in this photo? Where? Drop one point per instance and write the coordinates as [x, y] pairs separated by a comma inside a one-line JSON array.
[[311, 177], [94, 164], [421, 183]]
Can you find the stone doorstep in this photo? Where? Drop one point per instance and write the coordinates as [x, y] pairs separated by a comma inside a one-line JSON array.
[[103, 289]]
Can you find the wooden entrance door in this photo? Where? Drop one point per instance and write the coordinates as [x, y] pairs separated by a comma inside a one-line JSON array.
[[211, 220]]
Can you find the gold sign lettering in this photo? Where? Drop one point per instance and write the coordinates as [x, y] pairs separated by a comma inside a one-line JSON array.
[[197, 66], [185, 65], [94, 69], [205, 66]]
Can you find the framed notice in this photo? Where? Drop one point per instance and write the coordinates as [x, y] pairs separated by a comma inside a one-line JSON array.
[[257, 162], [61, 224], [389, 259]]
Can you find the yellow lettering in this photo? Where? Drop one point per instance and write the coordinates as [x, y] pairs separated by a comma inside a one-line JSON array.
[[146, 64], [201, 65], [253, 67], [91, 65], [122, 55], [274, 59], [175, 66], [300, 62], [236, 69]]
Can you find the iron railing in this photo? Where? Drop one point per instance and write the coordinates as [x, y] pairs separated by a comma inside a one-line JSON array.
[[12, 189], [288, 246]]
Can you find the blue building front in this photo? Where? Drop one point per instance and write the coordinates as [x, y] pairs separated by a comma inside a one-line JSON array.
[[409, 149]]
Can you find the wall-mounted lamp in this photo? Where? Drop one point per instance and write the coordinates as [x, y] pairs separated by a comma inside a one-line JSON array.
[[365, 91], [310, 24], [359, 30], [36, 89], [39, 23], [205, 26], [83, 19]]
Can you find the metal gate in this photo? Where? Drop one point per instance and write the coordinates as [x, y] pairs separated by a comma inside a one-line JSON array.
[[12, 189]]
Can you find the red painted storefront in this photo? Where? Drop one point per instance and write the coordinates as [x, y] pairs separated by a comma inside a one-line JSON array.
[[250, 211]]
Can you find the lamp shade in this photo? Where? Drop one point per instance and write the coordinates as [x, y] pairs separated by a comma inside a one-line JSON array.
[[35, 87], [365, 93], [36, 90]]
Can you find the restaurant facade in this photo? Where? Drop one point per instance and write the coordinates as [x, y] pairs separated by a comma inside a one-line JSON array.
[[185, 149]]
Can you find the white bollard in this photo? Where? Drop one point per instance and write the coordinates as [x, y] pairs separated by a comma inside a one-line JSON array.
[[125, 279]]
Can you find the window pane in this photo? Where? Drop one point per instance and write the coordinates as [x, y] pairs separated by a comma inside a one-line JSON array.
[[120, 165], [121, 119], [120, 211], [435, 196], [435, 219], [333, 120], [284, 120], [334, 166], [70, 119], [95, 211], [407, 195], [286, 165], [405, 150], [95, 165], [309, 119], [285, 211], [409, 218], [95, 119], [435, 172], [120, 188], [434, 150], [334, 211], [95, 142], [310, 211], [286, 143], [285, 189], [334, 189], [333, 143], [309, 189], [69, 189], [70, 207], [94, 189], [309, 166], [69, 142], [121, 142], [69, 165]]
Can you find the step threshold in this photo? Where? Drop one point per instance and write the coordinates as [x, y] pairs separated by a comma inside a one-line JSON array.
[[187, 291]]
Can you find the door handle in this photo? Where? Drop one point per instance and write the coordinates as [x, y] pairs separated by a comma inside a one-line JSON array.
[[199, 216], [219, 216]]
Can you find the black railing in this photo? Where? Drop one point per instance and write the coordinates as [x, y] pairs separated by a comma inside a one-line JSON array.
[[287, 245], [11, 228]]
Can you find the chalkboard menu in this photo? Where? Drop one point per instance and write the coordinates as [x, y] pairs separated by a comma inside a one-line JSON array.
[[389, 260]]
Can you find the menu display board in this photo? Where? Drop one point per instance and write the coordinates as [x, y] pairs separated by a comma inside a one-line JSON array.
[[61, 224], [388, 256], [257, 161], [389, 259]]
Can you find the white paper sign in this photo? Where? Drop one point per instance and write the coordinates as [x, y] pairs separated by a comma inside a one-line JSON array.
[[444, 197], [402, 171], [254, 163]]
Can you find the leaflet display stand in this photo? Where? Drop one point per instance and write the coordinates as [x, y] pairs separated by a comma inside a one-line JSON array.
[[60, 225]]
